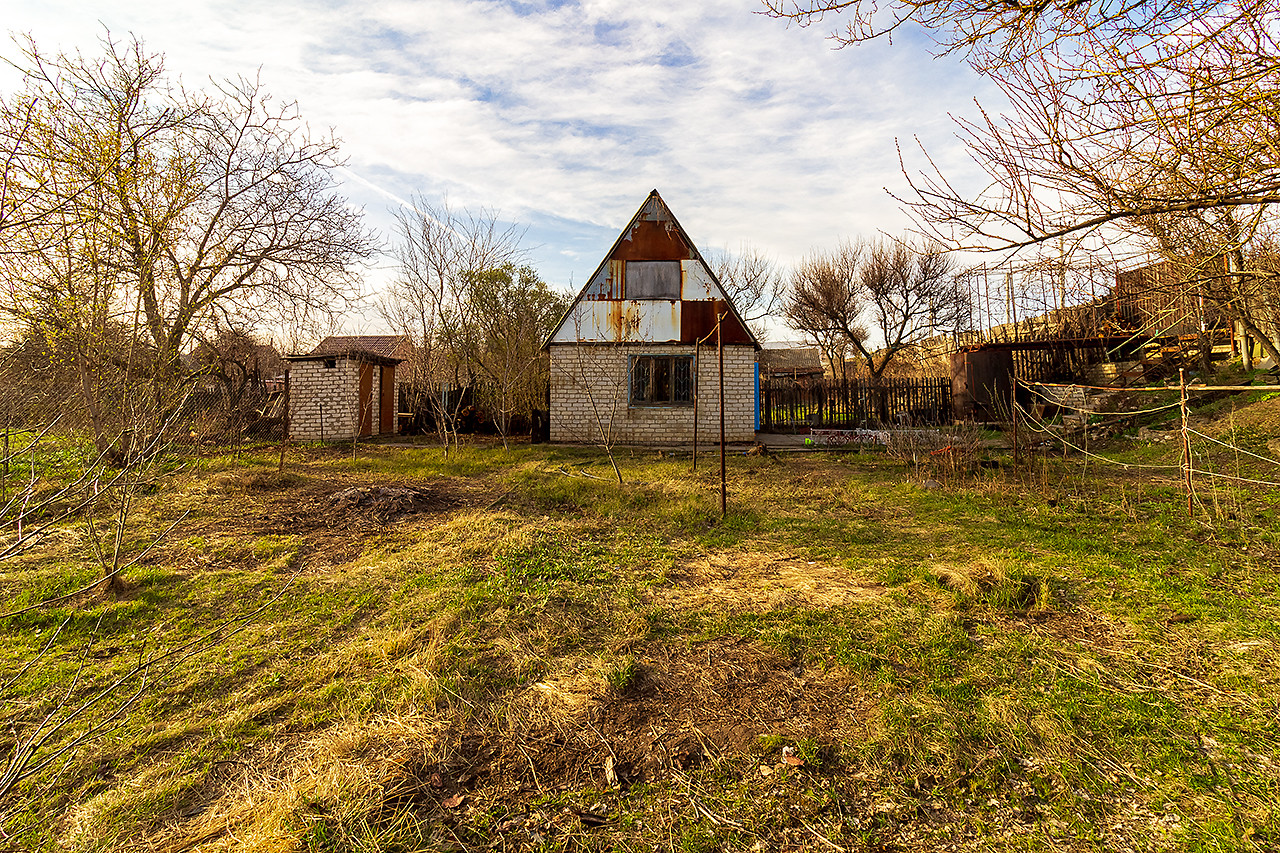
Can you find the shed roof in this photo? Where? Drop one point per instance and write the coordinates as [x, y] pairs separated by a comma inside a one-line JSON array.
[[377, 349], [387, 346], [797, 360]]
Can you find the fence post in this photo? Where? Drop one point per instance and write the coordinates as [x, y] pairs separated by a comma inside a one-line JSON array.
[[284, 433], [723, 483], [1186, 441]]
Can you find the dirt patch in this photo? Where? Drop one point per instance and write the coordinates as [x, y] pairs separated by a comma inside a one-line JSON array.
[[353, 506], [723, 699], [755, 580], [1073, 626], [724, 703], [334, 516]]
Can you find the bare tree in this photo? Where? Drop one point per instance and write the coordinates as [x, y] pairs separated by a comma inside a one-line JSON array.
[[995, 35], [441, 254], [1124, 116], [241, 364], [753, 282], [880, 297], [173, 208], [605, 386], [823, 302]]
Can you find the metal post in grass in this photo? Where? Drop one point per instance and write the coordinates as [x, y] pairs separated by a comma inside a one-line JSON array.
[[1186, 441], [720, 345], [1013, 397], [284, 432], [697, 392], [697, 389], [1013, 413]]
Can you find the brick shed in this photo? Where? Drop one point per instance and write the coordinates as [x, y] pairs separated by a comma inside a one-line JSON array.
[[623, 357], [345, 387]]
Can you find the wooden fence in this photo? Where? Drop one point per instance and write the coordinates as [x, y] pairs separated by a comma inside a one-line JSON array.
[[789, 405]]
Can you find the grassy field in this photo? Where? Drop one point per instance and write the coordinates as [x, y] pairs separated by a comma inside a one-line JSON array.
[[522, 654]]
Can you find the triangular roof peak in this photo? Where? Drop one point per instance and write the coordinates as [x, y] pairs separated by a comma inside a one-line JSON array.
[[653, 286]]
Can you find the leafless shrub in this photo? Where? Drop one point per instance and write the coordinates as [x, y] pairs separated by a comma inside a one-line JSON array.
[[939, 455]]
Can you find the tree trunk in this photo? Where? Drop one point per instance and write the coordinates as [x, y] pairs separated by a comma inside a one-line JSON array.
[[1264, 340], [90, 397]]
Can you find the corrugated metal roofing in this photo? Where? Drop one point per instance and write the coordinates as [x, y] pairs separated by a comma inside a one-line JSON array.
[[387, 346], [374, 349]]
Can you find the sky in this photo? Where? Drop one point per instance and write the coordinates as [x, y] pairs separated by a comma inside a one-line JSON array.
[[562, 115]]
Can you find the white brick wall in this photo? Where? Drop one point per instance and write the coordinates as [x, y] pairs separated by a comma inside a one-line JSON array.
[[589, 393], [323, 402]]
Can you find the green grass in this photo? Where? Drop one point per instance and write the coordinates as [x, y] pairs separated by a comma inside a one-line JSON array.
[[1027, 659]]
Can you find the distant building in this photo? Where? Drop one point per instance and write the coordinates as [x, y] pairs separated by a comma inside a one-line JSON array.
[[623, 357], [1158, 299], [791, 362], [346, 387]]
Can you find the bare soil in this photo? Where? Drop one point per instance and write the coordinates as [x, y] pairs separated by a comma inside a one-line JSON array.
[[336, 515], [723, 701]]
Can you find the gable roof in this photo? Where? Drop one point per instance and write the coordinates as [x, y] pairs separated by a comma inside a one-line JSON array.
[[387, 346], [380, 349], [664, 305], [802, 361]]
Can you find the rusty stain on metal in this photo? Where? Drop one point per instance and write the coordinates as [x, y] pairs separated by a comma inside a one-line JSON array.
[[673, 320], [695, 280], [623, 320], [698, 319], [653, 241]]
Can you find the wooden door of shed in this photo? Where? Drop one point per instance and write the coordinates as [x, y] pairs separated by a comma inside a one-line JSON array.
[[366, 399], [387, 391]]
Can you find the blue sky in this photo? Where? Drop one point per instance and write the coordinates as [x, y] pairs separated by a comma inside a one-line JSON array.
[[563, 114]]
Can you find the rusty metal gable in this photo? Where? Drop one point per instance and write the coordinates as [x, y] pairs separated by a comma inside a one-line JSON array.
[[653, 240], [602, 311], [621, 321]]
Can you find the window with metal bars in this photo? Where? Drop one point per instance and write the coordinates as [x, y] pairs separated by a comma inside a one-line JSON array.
[[661, 380]]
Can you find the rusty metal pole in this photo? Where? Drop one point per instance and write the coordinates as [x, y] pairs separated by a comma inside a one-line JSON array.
[[1013, 412], [723, 487], [1013, 397], [284, 434], [697, 386], [697, 392], [1186, 441]]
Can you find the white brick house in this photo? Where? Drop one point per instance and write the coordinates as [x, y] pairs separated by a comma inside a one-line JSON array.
[[636, 353], [346, 387]]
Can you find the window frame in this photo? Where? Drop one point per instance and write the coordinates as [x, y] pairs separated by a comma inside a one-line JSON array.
[[634, 362]]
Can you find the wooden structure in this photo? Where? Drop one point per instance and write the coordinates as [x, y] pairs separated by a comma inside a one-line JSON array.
[[787, 405]]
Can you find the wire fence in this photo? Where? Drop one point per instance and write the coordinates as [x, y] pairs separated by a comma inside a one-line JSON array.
[[1195, 465]]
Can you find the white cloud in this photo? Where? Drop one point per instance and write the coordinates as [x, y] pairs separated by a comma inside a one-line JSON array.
[[565, 114]]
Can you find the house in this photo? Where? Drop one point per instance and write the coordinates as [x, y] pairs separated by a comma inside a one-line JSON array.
[[636, 353], [346, 387]]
